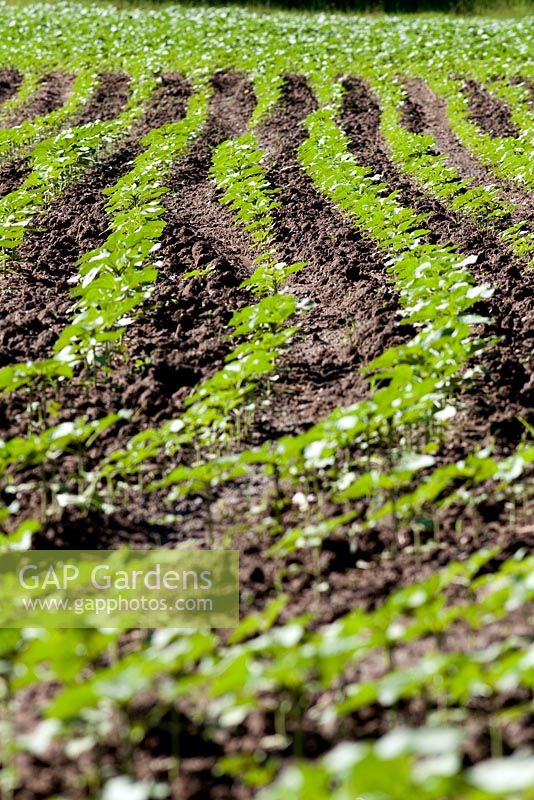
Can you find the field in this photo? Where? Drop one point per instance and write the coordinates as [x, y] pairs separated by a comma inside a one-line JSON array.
[[266, 284]]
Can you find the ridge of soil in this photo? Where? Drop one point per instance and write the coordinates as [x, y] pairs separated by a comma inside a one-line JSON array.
[[354, 313], [490, 113], [507, 367], [73, 224], [12, 175], [181, 330], [167, 104], [10, 80], [53, 91], [424, 112], [108, 99]]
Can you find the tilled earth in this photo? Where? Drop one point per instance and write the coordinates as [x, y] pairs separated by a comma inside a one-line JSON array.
[[179, 339]]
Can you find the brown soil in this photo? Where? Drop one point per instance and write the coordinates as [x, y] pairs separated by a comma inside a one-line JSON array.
[[52, 92], [10, 80], [354, 313], [508, 367], [108, 99], [12, 175], [73, 224], [490, 113], [424, 112]]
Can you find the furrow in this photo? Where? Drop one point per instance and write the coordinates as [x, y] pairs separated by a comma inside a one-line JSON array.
[[193, 202], [353, 318], [59, 160], [107, 100], [73, 224], [186, 317], [518, 98], [19, 141]]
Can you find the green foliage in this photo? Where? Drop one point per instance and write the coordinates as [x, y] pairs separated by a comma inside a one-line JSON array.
[[423, 763], [382, 463]]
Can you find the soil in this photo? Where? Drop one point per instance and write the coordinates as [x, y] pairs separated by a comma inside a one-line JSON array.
[[107, 101], [73, 224], [179, 336], [508, 367], [491, 113], [10, 80], [12, 175], [52, 92], [353, 318], [178, 339]]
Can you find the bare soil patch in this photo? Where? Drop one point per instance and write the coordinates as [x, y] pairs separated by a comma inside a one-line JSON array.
[[108, 99], [354, 314], [52, 92], [12, 175], [489, 112], [10, 80]]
